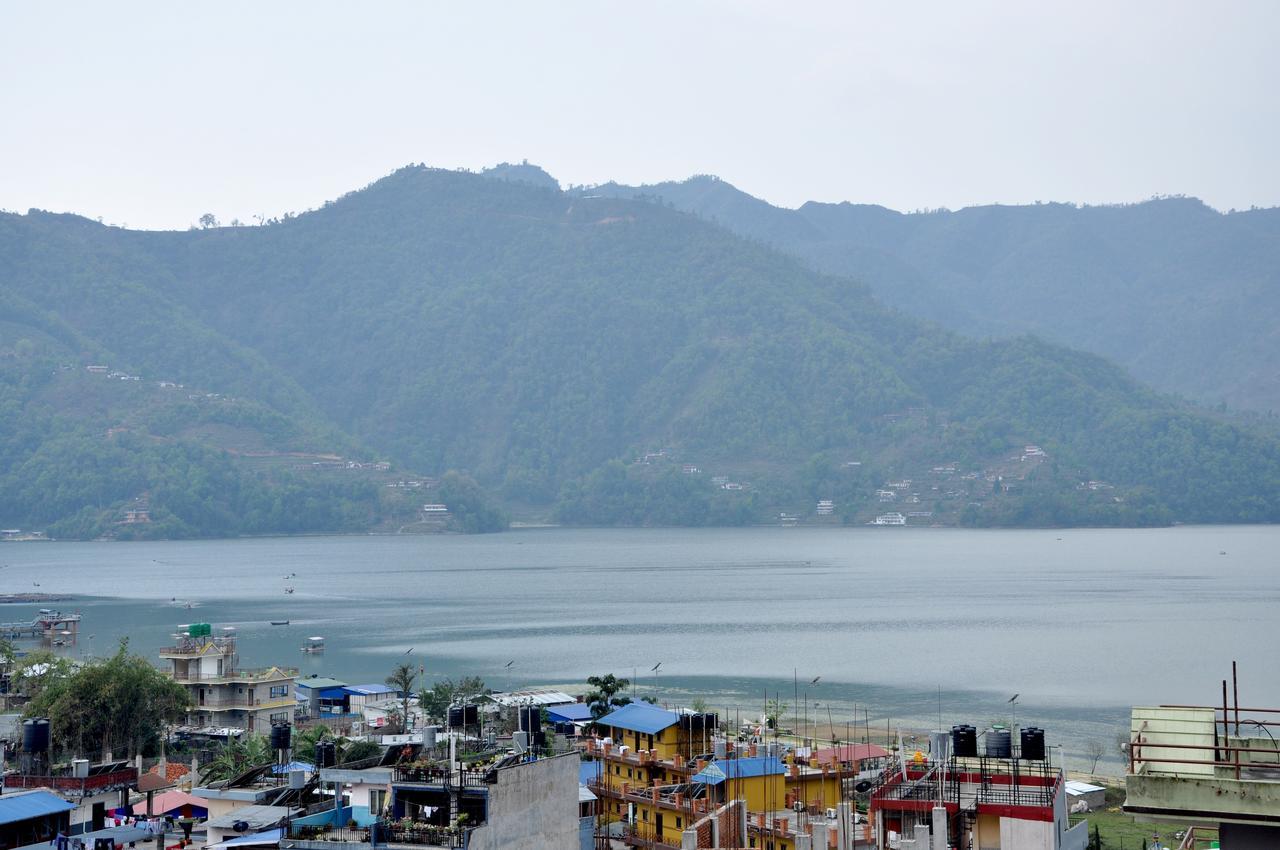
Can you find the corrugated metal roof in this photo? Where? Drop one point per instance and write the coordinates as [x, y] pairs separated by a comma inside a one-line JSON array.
[[1075, 787], [319, 682], [368, 690], [257, 817], [569, 713], [31, 804], [270, 836], [533, 697], [745, 768], [640, 717]]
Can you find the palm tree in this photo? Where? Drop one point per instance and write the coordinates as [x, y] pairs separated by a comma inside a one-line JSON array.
[[237, 756], [402, 678]]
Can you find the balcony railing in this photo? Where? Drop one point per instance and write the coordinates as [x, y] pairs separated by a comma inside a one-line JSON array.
[[383, 832], [441, 776], [254, 675], [83, 786]]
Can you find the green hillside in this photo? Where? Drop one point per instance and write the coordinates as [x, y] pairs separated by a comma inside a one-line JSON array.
[[613, 361], [1186, 298]]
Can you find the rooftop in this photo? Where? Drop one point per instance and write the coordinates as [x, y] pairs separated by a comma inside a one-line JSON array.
[[257, 817], [739, 768], [25, 805], [640, 717]]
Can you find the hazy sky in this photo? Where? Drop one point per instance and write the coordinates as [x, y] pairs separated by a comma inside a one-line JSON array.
[[151, 114]]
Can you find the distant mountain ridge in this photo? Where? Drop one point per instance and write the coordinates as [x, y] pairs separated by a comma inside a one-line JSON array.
[[602, 360], [1185, 297]]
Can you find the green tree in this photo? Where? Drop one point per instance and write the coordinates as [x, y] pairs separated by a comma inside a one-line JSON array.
[[603, 698], [435, 701], [121, 704], [237, 756], [403, 678]]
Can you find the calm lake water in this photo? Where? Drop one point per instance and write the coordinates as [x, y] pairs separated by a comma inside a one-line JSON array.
[[1080, 623]]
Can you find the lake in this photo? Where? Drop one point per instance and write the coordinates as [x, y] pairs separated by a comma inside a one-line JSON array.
[[1080, 623]]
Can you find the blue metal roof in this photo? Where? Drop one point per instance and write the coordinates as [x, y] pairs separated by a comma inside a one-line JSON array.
[[369, 690], [334, 693], [34, 804], [569, 713], [640, 717], [744, 768]]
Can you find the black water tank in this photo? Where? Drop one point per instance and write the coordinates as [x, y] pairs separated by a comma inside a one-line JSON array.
[[1032, 743], [326, 754], [35, 735], [531, 718], [280, 735], [471, 714], [964, 741], [455, 717]]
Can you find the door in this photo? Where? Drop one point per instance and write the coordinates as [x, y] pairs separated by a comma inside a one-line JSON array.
[[657, 824]]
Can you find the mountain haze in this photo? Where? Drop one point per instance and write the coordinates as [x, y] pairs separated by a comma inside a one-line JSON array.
[[1183, 296], [544, 341]]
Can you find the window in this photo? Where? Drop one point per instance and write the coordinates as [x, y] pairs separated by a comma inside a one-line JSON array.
[[677, 823], [629, 776], [280, 717], [617, 771], [644, 815], [279, 691], [377, 800]]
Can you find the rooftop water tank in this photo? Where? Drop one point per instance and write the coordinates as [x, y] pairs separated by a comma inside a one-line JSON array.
[[429, 737], [1032, 743], [280, 736], [326, 754], [999, 743], [964, 741], [35, 735]]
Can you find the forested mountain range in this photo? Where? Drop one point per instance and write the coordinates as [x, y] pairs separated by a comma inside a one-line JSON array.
[[1184, 297], [596, 359]]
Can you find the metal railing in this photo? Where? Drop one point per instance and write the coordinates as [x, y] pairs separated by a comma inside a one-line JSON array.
[[383, 832], [441, 776], [1222, 753]]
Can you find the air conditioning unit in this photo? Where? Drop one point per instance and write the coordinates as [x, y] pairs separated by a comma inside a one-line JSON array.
[[831, 814], [798, 806]]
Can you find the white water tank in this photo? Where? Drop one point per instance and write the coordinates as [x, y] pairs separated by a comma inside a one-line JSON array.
[[80, 768]]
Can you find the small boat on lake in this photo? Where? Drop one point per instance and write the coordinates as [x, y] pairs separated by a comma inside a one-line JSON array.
[[279, 622], [314, 644]]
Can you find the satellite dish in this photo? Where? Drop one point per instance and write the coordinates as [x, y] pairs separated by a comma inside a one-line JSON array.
[[240, 826], [862, 787]]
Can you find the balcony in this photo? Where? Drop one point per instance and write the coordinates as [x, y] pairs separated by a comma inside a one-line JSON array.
[[382, 833], [440, 776], [245, 704], [260, 674]]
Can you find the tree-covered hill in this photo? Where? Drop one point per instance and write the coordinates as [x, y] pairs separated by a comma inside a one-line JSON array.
[[1184, 297], [623, 362]]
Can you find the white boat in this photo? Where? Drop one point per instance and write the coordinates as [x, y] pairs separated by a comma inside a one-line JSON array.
[[314, 644]]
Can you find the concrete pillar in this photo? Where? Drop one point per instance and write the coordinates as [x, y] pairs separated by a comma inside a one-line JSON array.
[[939, 828], [844, 826], [820, 841], [804, 841], [689, 839]]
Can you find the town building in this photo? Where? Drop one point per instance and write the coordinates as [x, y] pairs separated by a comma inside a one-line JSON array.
[[1213, 767], [668, 779], [975, 792], [223, 695]]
